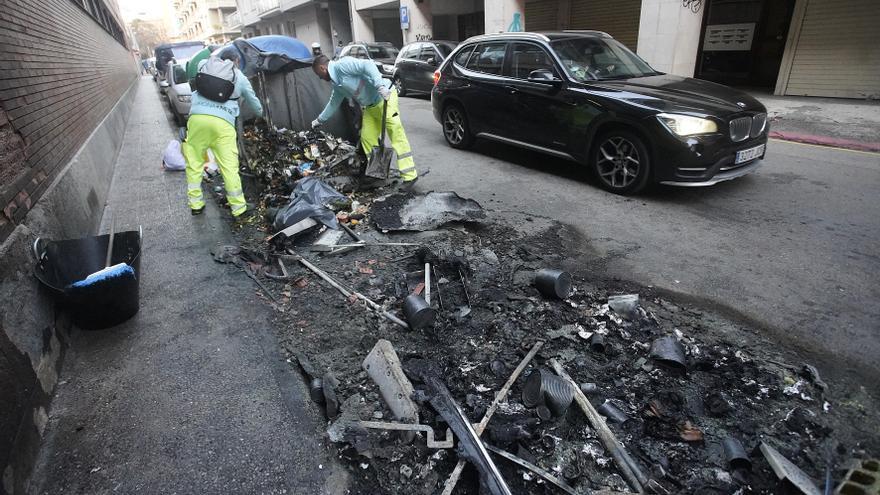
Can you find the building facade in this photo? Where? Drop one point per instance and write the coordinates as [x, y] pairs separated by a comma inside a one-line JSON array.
[[326, 22], [789, 47], [212, 21]]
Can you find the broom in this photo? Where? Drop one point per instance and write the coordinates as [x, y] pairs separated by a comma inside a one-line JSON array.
[[108, 272]]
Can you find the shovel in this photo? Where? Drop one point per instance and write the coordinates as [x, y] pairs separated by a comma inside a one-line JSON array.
[[379, 162]]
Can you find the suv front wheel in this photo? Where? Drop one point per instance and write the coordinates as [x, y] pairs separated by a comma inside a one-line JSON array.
[[621, 162], [455, 127]]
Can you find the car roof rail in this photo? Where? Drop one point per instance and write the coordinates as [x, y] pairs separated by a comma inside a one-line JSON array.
[[523, 34], [587, 31]]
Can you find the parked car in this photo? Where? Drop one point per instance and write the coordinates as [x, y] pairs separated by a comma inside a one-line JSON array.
[[179, 92], [416, 63], [585, 97], [167, 52], [380, 52]]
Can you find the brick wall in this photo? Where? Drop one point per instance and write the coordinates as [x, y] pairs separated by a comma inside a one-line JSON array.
[[60, 73]]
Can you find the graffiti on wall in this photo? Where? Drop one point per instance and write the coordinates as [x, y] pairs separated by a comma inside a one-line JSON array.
[[693, 5], [424, 37]]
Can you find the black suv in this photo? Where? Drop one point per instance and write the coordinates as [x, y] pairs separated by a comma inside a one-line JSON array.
[[585, 97]]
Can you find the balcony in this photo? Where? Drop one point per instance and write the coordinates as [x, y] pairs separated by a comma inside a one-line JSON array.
[[232, 22], [268, 8]]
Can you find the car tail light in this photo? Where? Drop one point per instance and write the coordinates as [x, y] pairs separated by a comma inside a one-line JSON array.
[[436, 76]]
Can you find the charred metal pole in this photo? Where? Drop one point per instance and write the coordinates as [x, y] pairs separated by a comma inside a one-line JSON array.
[[627, 466], [470, 446], [535, 469], [502, 394]]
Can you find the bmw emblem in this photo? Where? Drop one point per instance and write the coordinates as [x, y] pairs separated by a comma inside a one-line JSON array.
[[741, 104]]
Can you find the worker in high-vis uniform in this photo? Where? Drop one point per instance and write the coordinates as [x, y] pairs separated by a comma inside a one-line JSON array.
[[360, 80], [212, 126]]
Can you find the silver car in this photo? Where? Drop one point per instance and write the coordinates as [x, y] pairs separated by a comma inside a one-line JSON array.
[[178, 91]]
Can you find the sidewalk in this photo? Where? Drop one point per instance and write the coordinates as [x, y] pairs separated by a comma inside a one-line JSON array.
[[852, 124], [191, 395]]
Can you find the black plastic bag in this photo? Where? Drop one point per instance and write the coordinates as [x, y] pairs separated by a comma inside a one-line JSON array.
[[310, 199]]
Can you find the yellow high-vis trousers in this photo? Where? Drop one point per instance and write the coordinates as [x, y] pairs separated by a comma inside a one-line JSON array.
[[204, 132], [371, 128]]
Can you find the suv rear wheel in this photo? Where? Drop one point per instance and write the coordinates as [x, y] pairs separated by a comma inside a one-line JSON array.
[[621, 161], [455, 127]]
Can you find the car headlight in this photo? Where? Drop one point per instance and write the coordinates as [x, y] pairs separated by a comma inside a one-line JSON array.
[[388, 69], [184, 98], [686, 125]]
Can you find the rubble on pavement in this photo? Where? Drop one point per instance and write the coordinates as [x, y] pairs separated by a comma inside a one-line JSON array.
[[694, 403]]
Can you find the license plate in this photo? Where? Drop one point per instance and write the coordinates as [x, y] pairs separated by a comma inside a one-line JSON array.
[[749, 154]]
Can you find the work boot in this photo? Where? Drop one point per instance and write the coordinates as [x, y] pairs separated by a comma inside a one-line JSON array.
[[197, 211], [409, 185], [246, 216]]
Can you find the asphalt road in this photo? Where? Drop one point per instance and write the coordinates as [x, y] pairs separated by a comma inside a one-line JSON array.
[[792, 248]]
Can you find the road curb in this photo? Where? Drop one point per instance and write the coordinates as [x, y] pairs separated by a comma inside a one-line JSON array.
[[826, 141]]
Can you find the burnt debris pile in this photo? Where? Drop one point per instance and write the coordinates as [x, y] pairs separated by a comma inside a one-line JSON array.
[[453, 351]]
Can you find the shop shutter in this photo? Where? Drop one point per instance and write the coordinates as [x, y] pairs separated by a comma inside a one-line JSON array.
[[620, 18], [837, 53], [541, 15]]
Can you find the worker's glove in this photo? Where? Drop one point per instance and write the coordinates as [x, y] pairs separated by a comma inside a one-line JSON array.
[[316, 124], [385, 93]]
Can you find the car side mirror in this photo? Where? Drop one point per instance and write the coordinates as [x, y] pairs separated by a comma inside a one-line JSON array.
[[543, 76], [163, 83], [432, 62]]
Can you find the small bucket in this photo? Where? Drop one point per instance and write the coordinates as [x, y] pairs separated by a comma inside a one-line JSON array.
[[61, 263], [553, 283]]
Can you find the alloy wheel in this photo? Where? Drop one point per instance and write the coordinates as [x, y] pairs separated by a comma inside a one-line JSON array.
[[453, 126], [618, 162]]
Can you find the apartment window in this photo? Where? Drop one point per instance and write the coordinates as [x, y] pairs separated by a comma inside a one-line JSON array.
[[99, 12]]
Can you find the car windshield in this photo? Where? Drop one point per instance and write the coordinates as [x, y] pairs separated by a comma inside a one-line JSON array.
[[599, 59], [179, 74], [382, 51], [186, 51]]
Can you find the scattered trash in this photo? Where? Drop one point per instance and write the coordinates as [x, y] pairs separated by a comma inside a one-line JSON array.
[[627, 466], [484, 318], [420, 212], [384, 368], [612, 413], [668, 352], [553, 283], [626, 306], [172, 158], [470, 446], [589, 388], [543, 388], [430, 439], [311, 198], [785, 470], [810, 372], [533, 468], [735, 454], [417, 311]]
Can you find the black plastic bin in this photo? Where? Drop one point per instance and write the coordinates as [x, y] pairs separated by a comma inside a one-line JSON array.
[[106, 304]]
